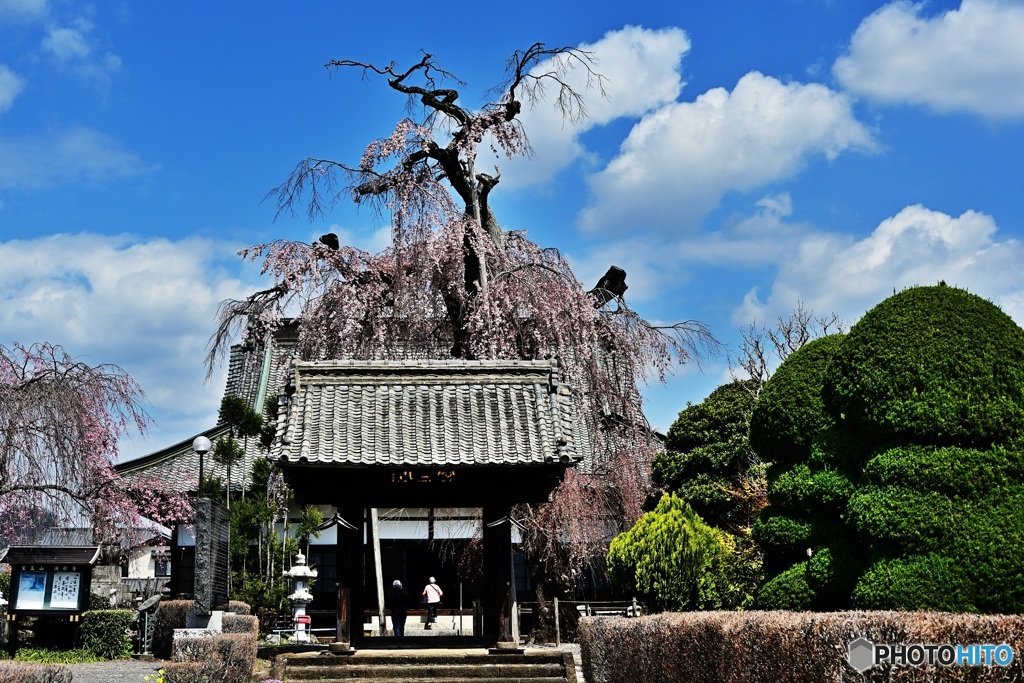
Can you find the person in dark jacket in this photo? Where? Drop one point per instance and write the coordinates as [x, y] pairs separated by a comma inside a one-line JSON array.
[[398, 601]]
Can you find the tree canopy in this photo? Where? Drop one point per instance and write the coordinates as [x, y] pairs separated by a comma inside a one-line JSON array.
[[60, 420], [454, 284]]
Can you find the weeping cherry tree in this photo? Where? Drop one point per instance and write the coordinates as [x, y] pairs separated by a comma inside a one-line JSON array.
[[455, 284]]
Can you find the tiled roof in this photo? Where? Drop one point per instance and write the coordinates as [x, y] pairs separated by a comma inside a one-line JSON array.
[[252, 375], [34, 554], [396, 413]]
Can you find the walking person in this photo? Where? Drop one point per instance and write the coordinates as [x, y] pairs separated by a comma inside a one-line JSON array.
[[398, 601], [432, 596]]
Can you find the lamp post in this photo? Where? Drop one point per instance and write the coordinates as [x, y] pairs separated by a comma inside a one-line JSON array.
[[201, 445]]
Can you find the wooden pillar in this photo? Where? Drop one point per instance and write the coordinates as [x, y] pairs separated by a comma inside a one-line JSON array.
[[497, 538], [350, 571]]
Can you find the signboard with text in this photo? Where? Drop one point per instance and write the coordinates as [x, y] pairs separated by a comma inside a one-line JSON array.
[[50, 580]]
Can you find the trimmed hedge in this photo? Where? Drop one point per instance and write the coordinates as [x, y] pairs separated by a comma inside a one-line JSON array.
[[910, 583], [796, 647], [105, 632], [230, 657], [241, 623], [779, 534], [20, 672], [931, 365], [952, 470], [170, 616], [236, 607]]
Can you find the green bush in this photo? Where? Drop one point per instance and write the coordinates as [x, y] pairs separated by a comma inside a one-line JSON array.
[[781, 534], [954, 471], [98, 602], [931, 365], [789, 412], [831, 575], [667, 556], [788, 590], [909, 519], [105, 633], [17, 672], [917, 582], [708, 458]]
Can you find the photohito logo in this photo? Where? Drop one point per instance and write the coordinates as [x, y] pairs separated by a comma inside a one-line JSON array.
[[862, 654]]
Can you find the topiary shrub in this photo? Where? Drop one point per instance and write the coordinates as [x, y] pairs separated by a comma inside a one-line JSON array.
[[241, 623], [931, 365], [230, 657], [105, 633], [781, 534], [187, 672], [708, 458], [788, 590], [789, 413], [917, 582]]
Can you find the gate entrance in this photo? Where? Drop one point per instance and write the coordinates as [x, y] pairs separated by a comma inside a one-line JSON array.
[[424, 435]]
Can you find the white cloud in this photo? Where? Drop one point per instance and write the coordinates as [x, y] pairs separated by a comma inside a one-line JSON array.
[[968, 59], [72, 48], [73, 154], [641, 71], [66, 44], [146, 305], [755, 240], [917, 246], [22, 9], [679, 161], [10, 86]]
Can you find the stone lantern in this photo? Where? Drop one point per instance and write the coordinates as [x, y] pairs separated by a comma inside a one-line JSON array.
[[300, 575]]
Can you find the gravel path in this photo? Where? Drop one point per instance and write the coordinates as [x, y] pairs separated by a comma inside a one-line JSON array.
[[118, 671]]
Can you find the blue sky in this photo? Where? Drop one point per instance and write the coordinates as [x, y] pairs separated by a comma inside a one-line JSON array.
[[749, 155]]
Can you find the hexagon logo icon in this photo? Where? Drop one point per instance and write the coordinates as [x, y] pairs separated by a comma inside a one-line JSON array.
[[861, 654]]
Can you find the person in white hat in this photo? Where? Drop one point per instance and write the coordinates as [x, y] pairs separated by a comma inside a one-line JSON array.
[[432, 596]]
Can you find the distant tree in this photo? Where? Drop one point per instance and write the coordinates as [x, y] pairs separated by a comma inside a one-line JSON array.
[[764, 347], [454, 284], [242, 422], [60, 420]]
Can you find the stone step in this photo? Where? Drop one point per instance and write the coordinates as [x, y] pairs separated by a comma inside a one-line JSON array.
[[430, 671], [437, 665]]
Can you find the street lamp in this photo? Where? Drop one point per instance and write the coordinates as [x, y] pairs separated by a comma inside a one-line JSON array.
[[201, 445]]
